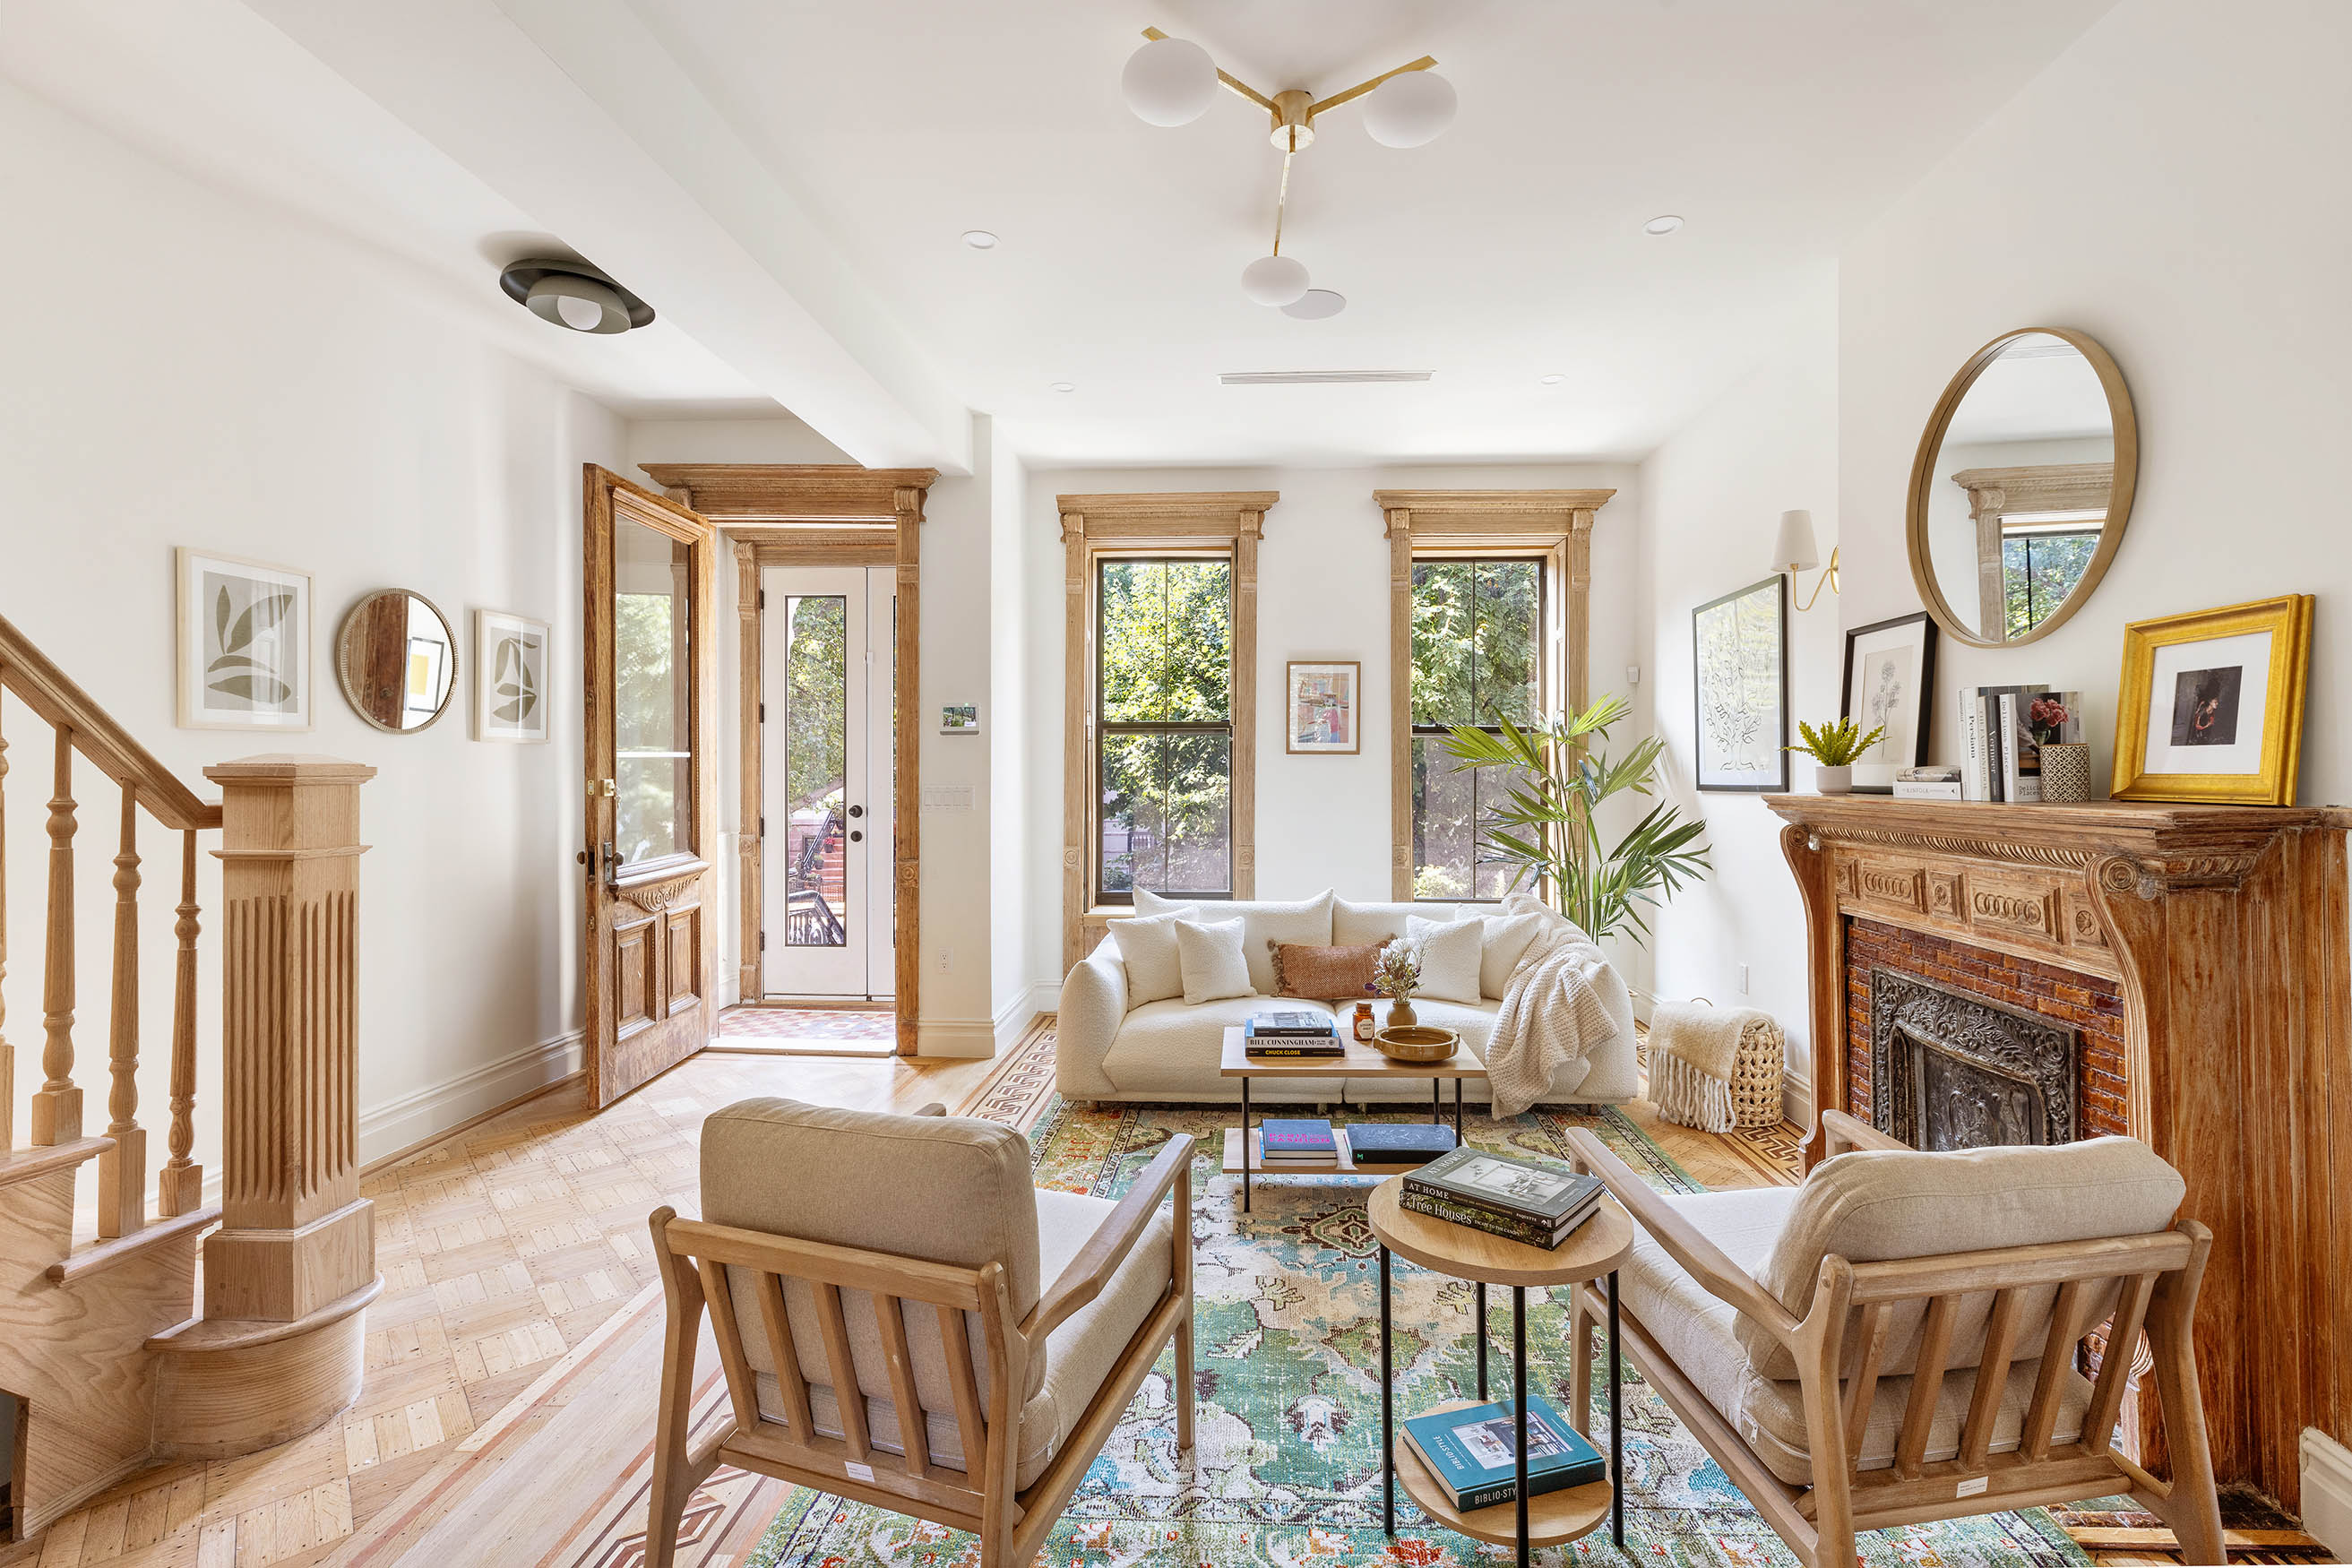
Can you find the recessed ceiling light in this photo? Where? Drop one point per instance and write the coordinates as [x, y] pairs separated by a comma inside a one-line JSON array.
[[1062, 387], [1665, 223], [1316, 304], [980, 239], [1554, 379]]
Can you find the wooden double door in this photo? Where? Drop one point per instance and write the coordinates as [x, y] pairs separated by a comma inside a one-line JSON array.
[[651, 681]]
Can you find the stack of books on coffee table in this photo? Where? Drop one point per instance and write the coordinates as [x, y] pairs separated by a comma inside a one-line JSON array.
[[1517, 1200], [1292, 1033]]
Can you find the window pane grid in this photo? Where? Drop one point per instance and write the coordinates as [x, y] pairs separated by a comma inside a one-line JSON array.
[[1477, 647], [1164, 727]]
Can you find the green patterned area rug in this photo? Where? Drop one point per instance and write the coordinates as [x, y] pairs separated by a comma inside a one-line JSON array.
[[1288, 1422]]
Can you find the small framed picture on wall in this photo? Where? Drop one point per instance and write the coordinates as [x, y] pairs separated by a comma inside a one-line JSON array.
[[1890, 683], [1739, 645], [510, 677], [1319, 707], [2212, 707], [244, 644]]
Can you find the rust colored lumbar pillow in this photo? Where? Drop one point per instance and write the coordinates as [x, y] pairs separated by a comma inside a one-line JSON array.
[[1324, 974]]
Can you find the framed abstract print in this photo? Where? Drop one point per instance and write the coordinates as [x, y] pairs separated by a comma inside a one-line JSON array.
[[244, 644], [1890, 681], [2211, 704], [1740, 659], [1319, 707], [510, 677]]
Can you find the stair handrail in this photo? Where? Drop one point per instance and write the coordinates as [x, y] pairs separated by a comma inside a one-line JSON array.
[[52, 695]]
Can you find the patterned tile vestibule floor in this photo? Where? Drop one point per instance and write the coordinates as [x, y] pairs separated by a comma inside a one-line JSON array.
[[512, 1360]]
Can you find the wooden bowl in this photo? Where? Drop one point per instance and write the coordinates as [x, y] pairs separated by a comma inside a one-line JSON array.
[[1416, 1043]]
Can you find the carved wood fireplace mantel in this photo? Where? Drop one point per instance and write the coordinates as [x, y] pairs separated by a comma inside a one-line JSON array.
[[2224, 930]]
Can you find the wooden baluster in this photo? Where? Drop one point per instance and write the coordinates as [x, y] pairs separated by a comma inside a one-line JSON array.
[[8, 1051], [57, 1104], [122, 1169], [180, 1185]]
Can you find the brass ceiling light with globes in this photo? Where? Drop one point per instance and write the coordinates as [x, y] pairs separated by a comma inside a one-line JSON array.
[[1172, 81]]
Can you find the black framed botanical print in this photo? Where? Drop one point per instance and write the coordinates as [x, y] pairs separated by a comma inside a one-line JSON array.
[[1739, 645], [1890, 684]]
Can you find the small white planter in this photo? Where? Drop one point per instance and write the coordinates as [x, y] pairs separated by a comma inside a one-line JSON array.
[[1833, 781]]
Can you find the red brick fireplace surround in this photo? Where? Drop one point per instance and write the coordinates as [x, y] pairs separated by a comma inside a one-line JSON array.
[[2203, 958]]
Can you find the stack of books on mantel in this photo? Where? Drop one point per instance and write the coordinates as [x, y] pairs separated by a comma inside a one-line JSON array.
[[1931, 781], [1517, 1200], [1302, 1141], [1292, 1033]]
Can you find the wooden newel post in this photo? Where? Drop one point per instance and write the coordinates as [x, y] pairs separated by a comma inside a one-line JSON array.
[[296, 1236]]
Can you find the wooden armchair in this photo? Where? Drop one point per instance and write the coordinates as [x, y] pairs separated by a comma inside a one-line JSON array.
[[1894, 1340], [899, 1259]]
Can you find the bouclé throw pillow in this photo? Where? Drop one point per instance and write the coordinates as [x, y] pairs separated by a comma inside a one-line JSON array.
[[1212, 956], [1508, 937], [1324, 974], [1147, 946], [1450, 956]]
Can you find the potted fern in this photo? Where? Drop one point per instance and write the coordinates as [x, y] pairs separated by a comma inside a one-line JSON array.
[[1545, 827], [1835, 747]]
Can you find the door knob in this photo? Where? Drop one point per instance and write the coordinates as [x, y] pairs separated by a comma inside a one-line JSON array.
[[855, 836], [856, 811]]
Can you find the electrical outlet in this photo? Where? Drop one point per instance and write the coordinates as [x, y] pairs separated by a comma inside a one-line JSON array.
[[943, 968], [1632, 675], [1743, 977]]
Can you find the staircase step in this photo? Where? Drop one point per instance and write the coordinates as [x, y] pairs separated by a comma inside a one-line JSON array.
[[101, 1256], [24, 1164]]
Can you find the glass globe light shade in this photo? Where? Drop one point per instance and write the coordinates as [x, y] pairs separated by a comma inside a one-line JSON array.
[[582, 304], [1168, 81], [1274, 280], [1410, 110]]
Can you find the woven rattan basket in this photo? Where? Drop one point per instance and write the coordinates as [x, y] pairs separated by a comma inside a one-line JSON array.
[[1756, 1076]]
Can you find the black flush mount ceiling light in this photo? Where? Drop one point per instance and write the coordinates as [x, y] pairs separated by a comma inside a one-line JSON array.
[[575, 296]]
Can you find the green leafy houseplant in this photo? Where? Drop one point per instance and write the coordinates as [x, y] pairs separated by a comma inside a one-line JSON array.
[[1836, 745], [1545, 828]]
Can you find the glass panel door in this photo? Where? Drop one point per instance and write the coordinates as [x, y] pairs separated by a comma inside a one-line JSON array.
[[653, 657]]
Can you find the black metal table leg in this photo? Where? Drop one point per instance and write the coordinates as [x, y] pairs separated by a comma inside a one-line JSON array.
[[1482, 1342], [1245, 1149], [1616, 1441], [1437, 1102], [1519, 1405], [1457, 1111], [1388, 1409]]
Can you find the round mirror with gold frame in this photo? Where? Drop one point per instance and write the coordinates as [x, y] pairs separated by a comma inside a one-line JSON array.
[[2022, 487], [397, 660]]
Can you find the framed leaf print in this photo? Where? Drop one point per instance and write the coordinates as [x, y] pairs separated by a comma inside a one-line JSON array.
[[244, 644], [510, 677]]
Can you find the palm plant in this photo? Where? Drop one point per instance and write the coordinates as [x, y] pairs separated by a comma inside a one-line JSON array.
[[1547, 828]]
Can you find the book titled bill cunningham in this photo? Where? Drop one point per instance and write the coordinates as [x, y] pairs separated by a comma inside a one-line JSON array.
[[1512, 1189], [1472, 1452]]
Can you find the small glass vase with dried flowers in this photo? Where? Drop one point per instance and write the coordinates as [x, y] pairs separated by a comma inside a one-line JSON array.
[[1396, 974]]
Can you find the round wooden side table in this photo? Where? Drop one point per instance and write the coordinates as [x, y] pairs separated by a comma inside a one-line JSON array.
[[1598, 1247]]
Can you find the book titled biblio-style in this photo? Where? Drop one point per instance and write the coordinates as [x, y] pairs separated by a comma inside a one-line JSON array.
[[1472, 1452]]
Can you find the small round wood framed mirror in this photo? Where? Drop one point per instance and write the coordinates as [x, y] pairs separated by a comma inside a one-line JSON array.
[[2022, 487], [397, 660]]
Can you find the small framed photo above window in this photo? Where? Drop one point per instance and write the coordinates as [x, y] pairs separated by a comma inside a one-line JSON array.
[[510, 677], [2212, 707], [1890, 684], [1740, 651], [245, 644], [1320, 701]]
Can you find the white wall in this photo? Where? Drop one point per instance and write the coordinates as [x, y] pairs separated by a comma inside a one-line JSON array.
[[1323, 593], [1007, 717], [189, 367], [1711, 498]]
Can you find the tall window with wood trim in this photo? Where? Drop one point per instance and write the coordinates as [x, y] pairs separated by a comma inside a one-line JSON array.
[[1477, 660], [1163, 727]]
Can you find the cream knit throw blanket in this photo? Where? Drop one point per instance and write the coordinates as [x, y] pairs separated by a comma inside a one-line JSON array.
[[1563, 1001], [1693, 1050]]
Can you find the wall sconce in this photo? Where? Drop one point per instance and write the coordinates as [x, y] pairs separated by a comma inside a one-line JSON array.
[[1797, 551]]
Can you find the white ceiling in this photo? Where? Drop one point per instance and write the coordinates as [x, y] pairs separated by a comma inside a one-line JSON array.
[[786, 182], [1508, 248]]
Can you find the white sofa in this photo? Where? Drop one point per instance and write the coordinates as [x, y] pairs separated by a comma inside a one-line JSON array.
[[1170, 1051]]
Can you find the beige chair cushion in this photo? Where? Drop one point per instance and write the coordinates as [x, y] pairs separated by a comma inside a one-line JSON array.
[[1699, 1333], [1872, 1205], [1147, 951], [1212, 958], [1381, 923]]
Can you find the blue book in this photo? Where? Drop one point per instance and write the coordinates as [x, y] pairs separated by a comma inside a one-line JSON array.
[[1398, 1143], [1278, 1135], [1471, 1452]]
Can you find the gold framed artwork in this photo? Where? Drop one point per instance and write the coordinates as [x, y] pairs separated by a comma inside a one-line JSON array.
[[1319, 707], [2211, 708]]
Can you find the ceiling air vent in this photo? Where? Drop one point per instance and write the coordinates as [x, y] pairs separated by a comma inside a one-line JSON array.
[[1316, 377]]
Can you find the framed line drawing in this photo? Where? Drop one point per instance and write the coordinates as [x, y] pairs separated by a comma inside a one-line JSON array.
[[510, 677], [244, 644], [1739, 645], [1319, 707], [1890, 683]]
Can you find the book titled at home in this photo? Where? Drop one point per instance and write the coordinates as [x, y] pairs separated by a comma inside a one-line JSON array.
[[1511, 1189], [1474, 1452], [1398, 1143], [1528, 1233], [1296, 1140]]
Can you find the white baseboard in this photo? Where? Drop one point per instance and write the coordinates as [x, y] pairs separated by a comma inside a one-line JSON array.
[[414, 1118], [1012, 1019], [1797, 1100], [955, 1038], [2327, 1491]]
